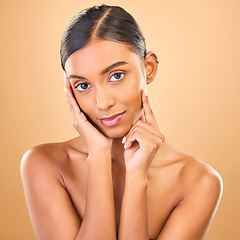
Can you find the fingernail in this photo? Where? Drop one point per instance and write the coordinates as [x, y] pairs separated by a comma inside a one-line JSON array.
[[145, 91], [125, 145], [65, 89], [124, 139]]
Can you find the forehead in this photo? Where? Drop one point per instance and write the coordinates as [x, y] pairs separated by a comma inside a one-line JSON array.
[[99, 54]]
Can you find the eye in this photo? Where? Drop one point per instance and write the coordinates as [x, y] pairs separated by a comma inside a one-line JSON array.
[[82, 86], [117, 76]]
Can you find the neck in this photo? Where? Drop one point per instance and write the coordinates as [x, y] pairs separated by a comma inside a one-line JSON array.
[[117, 150]]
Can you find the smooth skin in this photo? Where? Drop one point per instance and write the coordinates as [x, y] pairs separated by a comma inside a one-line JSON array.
[[120, 182]]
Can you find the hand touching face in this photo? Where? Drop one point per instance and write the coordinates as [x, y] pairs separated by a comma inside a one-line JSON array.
[[95, 141], [107, 79], [142, 141]]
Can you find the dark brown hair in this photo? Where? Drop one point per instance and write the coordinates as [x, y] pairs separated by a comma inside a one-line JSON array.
[[102, 22]]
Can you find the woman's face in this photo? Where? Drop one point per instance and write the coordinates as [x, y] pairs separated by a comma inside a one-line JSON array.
[[107, 79]]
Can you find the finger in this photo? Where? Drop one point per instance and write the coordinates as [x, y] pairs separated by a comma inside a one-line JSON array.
[[68, 90], [148, 129], [142, 117], [77, 115], [148, 113], [73, 105], [66, 81], [145, 139], [134, 137], [79, 119], [153, 130]]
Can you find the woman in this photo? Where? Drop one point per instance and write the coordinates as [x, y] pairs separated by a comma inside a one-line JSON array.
[[119, 179]]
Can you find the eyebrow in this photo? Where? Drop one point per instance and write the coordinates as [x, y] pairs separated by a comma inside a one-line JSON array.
[[105, 70]]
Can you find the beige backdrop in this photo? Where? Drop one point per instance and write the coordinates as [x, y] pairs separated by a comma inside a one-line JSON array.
[[195, 95]]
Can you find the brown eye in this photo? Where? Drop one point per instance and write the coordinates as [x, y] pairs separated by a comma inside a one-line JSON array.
[[82, 86], [117, 76]]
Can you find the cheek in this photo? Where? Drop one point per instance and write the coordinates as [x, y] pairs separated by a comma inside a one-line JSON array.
[[85, 106], [88, 109], [133, 93], [135, 99], [133, 104], [131, 98]]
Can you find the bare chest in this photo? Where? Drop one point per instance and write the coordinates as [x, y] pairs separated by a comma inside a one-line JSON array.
[[162, 198]]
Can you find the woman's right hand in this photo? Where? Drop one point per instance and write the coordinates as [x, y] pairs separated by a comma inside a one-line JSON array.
[[95, 140]]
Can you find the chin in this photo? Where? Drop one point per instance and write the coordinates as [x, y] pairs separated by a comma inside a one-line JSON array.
[[120, 130], [115, 132]]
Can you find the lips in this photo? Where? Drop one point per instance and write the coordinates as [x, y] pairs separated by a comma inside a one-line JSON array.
[[113, 120]]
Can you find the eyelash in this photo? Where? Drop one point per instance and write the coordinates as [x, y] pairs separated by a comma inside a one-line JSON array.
[[79, 84]]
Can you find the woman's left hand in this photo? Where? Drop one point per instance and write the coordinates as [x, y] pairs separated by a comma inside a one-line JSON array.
[[142, 142]]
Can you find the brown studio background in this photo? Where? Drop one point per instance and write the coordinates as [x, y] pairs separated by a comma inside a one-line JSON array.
[[195, 95]]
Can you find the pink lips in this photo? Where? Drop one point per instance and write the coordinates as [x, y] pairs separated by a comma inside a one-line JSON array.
[[111, 121]]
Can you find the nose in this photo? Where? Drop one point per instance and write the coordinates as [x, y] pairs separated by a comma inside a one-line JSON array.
[[104, 99]]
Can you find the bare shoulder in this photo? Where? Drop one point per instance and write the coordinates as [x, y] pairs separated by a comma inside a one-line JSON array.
[[48, 158], [196, 172], [191, 174], [184, 168], [46, 151], [41, 160], [197, 193], [200, 182], [47, 198]]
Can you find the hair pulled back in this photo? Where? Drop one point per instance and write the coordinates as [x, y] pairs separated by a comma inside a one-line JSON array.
[[104, 22]]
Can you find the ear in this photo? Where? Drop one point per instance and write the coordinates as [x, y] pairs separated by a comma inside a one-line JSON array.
[[151, 66]]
